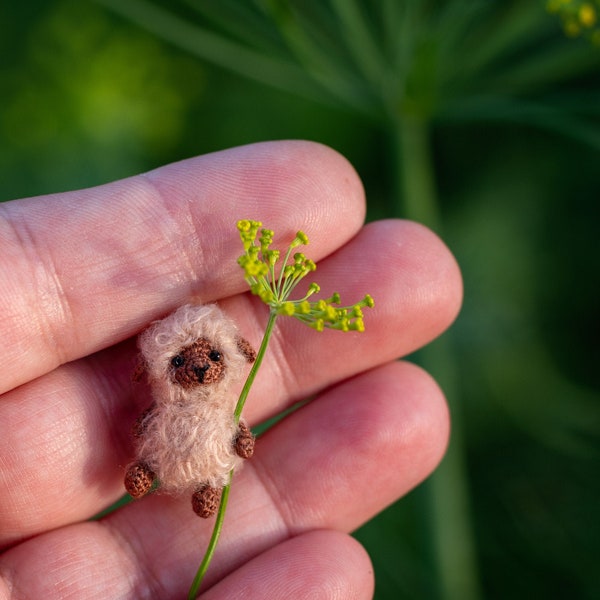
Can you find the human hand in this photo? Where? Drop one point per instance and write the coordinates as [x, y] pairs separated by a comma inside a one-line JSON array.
[[83, 272]]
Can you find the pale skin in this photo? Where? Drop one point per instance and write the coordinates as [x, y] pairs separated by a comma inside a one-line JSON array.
[[82, 273]]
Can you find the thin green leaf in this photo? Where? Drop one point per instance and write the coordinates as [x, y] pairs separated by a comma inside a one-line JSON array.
[[562, 60], [241, 22], [535, 113], [501, 30], [325, 67], [216, 49], [360, 40]]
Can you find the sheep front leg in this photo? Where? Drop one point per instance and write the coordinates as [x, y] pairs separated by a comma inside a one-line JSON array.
[[244, 441]]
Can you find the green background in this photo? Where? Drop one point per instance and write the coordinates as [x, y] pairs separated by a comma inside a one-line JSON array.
[[479, 118]]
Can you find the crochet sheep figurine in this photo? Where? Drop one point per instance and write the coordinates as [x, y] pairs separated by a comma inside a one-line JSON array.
[[188, 439]]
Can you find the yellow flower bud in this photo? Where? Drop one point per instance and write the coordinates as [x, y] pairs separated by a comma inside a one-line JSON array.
[[287, 309], [368, 301], [303, 308], [300, 239], [313, 288]]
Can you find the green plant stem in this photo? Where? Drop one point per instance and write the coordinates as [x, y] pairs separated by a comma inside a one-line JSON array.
[[212, 544], [452, 540], [259, 358], [415, 187], [216, 533]]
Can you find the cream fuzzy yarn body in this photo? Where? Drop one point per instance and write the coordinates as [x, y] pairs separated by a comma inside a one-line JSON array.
[[187, 437]]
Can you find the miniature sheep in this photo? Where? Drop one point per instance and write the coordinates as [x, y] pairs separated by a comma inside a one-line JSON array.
[[188, 439]]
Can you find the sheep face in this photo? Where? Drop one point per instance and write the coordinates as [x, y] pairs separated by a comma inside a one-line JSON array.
[[195, 351], [198, 364]]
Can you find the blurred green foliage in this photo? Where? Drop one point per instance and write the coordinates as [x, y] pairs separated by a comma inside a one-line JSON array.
[[482, 119]]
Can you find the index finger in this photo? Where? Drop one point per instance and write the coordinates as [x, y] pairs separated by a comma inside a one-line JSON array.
[[83, 270]]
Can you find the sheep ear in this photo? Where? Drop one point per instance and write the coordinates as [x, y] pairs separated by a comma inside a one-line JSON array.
[[246, 349]]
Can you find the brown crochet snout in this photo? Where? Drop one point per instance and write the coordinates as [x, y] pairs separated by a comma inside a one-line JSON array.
[[199, 363]]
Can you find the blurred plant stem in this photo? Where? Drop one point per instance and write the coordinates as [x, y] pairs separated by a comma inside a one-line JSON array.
[[415, 194], [452, 535]]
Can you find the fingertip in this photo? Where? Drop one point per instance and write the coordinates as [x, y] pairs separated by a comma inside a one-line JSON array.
[[287, 185], [404, 417], [429, 431], [321, 564], [445, 294], [415, 282], [420, 276]]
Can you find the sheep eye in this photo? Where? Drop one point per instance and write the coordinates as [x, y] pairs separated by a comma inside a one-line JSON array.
[[215, 356], [177, 361]]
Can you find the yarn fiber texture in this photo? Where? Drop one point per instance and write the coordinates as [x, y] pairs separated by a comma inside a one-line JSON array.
[[187, 437]]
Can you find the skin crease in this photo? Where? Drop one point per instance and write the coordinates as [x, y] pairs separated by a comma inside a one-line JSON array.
[[83, 272]]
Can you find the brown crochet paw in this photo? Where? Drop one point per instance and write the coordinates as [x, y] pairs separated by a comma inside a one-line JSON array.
[[138, 480], [205, 501], [244, 442]]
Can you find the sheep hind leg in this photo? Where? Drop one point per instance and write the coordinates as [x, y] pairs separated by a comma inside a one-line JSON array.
[[138, 479], [205, 501]]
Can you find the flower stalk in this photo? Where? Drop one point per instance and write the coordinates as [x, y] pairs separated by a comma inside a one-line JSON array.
[[220, 517], [258, 262]]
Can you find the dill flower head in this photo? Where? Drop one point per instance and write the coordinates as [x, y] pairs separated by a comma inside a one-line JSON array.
[[274, 288]]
